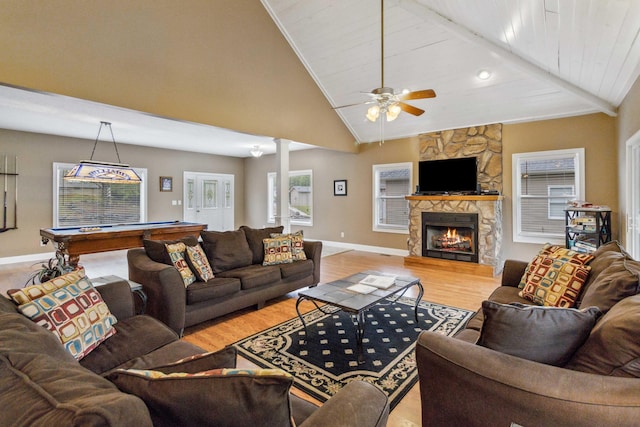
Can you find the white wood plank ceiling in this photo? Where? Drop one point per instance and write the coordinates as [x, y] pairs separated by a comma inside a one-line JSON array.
[[548, 58]]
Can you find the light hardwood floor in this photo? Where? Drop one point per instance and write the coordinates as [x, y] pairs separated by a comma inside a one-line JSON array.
[[443, 287]]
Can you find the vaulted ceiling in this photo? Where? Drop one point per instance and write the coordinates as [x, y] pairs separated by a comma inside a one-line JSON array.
[[167, 71]]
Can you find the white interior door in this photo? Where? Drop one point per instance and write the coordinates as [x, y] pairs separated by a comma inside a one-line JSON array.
[[209, 199], [633, 196]]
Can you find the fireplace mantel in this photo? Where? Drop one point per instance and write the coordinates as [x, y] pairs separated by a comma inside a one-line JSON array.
[[476, 197], [489, 210]]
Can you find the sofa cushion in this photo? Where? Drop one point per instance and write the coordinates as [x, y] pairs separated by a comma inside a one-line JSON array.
[[297, 269], [554, 282], [613, 347], [255, 276], [37, 389], [547, 335], [226, 250], [214, 288], [177, 254], [32, 292], [255, 237], [277, 250], [137, 335], [76, 314], [199, 264], [42, 384], [239, 397], [616, 282], [157, 251]]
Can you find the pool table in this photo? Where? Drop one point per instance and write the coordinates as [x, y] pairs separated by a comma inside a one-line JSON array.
[[76, 241]]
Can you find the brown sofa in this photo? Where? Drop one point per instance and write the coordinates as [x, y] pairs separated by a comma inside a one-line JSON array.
[[240, 281], [41, 384], [595, 382]]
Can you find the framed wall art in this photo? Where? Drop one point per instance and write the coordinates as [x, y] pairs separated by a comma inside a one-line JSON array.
[[340, 187], [166, 183]]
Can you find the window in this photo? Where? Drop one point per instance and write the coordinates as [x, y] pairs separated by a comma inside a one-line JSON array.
[[543, 183], [300, 197], [391, 183], [86, 203]]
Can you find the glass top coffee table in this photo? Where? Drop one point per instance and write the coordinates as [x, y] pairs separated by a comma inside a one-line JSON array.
[[356, 300]]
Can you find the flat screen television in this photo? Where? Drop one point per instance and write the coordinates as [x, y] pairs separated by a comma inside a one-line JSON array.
[[448, 176]]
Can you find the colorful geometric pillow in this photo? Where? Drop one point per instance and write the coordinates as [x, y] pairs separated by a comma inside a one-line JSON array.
[[277, 250], [555, 252], [76, 314], [30, 293], [554, 282], [199, 263], [297, 244], [248, 398], [176, 253]]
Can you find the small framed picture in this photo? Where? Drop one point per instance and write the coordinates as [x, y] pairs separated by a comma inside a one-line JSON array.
[[166, 183], [340, 187]]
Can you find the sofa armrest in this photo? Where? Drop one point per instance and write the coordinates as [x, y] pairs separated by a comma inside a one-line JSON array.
[[512, 272], [358, 404], [119, 299], [465, 384], [313, 251], [166, 295]]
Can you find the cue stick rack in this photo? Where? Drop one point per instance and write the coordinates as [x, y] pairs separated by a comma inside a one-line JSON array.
[[9, 180]]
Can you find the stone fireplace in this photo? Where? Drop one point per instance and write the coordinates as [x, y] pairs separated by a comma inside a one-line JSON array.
[[486, 210]]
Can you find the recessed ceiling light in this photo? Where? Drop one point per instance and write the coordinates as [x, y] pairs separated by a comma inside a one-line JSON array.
[[484, 74]]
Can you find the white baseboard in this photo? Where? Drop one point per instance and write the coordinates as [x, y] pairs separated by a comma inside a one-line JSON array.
[[44, 256], [367, 248]]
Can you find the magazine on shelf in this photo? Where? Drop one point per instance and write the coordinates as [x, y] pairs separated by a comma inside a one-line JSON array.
[[380, 282]]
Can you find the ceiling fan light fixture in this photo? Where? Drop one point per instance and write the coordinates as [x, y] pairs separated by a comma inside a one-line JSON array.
[[256, 151], [393, 111], [373, 112]]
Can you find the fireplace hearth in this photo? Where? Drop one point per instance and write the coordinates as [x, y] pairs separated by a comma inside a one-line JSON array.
[[452, 236]]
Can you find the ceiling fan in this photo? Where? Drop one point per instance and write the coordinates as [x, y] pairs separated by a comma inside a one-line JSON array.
[[384, 99]]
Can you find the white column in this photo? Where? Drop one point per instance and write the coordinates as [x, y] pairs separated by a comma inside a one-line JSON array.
[[282, 184]]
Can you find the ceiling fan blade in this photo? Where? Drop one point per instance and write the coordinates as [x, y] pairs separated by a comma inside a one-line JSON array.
[[410, 109], [350, 105], [418, 94]]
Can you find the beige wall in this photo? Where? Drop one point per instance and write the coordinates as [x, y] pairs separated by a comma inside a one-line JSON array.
[[628, 126], [218, 62], [595, 132], [334, 214], [37, 153]]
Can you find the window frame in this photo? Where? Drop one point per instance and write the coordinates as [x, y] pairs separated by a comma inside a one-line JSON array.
[[578, 154], [376, 224], [58, 167], [271, 185]]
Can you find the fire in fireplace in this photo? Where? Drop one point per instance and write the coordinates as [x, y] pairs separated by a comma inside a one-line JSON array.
[[451, 236]]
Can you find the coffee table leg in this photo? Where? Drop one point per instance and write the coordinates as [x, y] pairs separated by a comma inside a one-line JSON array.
[[361, 319], [419, 298], [300, 299]]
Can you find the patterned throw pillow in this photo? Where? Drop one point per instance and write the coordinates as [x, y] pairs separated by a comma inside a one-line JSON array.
[[30, 293], [176, 253], [554, 282], [199, 263], [277, 250], [76, 314], [297, 244], [555, 252], [210, 373]]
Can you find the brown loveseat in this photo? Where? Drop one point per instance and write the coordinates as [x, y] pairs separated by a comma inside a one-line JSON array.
[[595, 382], [241, 280], [41, 384]]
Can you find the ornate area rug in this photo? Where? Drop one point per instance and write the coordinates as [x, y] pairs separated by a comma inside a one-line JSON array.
[[326, 360]]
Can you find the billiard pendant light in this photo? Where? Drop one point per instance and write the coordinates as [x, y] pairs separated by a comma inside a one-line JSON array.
[[93, 171]]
